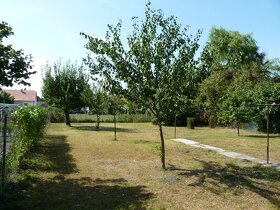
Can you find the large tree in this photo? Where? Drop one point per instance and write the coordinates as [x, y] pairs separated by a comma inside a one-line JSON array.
[[14, 65], [230, 59], [64, 87], [155, 69], [226, 50]]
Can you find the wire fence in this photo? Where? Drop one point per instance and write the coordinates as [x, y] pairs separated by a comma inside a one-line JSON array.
[[8, 136]]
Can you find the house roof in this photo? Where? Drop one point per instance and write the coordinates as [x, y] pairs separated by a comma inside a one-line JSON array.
[[23, 95]]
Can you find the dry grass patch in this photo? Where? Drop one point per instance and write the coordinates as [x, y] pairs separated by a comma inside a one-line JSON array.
[[80, 168]]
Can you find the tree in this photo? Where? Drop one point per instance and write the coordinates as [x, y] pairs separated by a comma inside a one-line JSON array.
[[6, 97], [267, 94], [155, 68], [116, 104], [230, 50], [237, 107], [230, 59], [14, 65], [64, 86], [98, 103]]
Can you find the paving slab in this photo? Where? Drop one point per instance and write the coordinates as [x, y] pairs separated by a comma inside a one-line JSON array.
[[227, 153]]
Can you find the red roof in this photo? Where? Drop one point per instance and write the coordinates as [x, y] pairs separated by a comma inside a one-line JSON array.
[[23, 95]]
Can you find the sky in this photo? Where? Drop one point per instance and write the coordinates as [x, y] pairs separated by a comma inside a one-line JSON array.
[[50, 29]]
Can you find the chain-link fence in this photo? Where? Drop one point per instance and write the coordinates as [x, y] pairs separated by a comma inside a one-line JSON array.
[[7, 138]]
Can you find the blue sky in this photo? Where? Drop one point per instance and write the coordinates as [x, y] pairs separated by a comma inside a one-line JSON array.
[[49, 29]]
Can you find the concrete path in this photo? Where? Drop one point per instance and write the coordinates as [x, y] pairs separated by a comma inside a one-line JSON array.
[[227, 153]]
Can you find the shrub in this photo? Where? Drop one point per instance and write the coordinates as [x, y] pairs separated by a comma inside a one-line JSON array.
[[56, 115], [85, 118], [29, 125], [190, 122]]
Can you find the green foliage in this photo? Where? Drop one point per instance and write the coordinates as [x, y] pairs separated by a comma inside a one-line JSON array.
[[30, 123], [56, 115], [6, 98], [213, 89], [85, 118], [98, 104], [230, 50], [267, 94], [232, 60], [156, 71], [14, 65], [190, 123], [247, 104], [237, 107], [64, 87]]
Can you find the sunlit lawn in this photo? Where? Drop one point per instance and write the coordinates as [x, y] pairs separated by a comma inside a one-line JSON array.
[[81, 168]]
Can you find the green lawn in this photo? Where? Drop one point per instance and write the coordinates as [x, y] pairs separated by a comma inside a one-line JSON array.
[[80, 168]]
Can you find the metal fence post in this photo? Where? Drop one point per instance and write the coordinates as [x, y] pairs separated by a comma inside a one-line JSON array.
[[4, 152]]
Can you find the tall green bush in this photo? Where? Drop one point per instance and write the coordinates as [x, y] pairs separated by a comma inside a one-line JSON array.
[[29, 125]]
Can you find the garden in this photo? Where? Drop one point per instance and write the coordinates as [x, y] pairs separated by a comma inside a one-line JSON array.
[[105, 138], [80, 168]]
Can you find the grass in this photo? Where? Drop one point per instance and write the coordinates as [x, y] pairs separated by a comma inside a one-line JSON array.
[[249, 142], [80, 168]]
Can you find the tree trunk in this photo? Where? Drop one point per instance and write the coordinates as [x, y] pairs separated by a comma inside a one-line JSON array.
[[67, 118], [97, 121], [162, 145], [238, 126]]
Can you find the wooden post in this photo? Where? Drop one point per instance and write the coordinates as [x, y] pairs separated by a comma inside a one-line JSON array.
[[175, 126], [267, 136], [115, 126]]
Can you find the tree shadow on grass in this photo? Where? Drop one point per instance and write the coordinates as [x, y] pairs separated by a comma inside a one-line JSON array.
[[52, 155], [83, 193], [219, 179], [31, 190], [141, 141], [261, 136], [102, 129]]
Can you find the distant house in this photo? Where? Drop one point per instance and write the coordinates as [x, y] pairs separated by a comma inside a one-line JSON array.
[[23, 97]]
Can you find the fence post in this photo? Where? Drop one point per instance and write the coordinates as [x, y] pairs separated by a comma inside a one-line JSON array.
[[4, 152]]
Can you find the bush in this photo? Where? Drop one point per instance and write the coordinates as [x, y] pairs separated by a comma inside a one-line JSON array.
[[190, 122], [85, 118], [56, 115], [29, 125]]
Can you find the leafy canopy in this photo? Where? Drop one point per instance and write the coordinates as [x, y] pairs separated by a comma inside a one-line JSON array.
[[232, 60], [230, 50], [64, 86], [157, 66], [14, 65]]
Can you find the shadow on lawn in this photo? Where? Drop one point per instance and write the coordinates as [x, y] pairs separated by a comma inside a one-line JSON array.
[[220, 179], [262, 136], [31, 191], [83, 193], [52, 155], [102, 128]]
